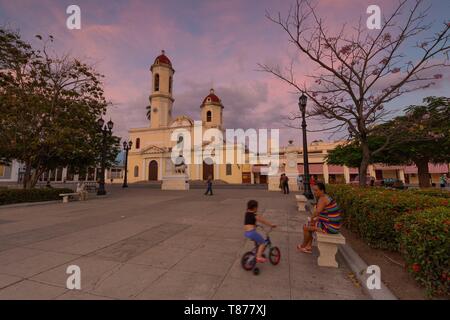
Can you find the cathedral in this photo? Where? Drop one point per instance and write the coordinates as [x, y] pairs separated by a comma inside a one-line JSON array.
[[150, 156]]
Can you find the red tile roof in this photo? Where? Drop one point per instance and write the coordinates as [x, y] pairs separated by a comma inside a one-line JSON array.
[[211, 96], [162, 58]]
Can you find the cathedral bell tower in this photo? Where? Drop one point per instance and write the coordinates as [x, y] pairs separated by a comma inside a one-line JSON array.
[[212, 111], [161, 99]]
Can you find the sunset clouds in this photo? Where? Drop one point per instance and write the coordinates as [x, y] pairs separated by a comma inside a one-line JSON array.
[[211, 43]]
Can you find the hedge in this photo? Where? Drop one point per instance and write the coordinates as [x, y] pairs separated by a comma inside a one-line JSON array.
[[371, 212], [431, 192], [10, 196], [425, 245], [415, 224]]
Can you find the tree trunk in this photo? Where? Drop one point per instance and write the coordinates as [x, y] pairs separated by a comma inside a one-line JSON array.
[[423, 173], [27, 176], [34, 178], [364, 163], [31, 176]]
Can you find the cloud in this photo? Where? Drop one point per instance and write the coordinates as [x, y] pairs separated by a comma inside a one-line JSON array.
[[211, 44]]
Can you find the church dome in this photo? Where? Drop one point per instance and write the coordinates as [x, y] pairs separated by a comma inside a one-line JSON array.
[[212, 98], [162, 58]]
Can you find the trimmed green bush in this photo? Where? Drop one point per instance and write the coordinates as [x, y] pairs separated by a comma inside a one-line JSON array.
[[10, 196], [371, 212], [431, 192], [425, 245]]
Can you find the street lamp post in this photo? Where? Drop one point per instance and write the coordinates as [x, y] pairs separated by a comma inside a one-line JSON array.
[[126, 147], [306, 181], [105, 130]]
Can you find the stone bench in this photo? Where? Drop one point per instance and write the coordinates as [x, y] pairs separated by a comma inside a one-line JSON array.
[[328, 246], [80, 196], [301, 202]]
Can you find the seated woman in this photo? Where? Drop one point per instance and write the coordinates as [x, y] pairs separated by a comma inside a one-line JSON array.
[[326, 218]]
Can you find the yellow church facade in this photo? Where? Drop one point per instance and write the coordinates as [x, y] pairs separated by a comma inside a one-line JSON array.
[[150, 158]]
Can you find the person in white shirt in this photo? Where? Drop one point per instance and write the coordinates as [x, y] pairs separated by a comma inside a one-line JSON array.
[[300, 182], [81, 189]]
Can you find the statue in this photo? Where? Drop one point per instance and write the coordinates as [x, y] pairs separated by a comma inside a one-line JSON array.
[[180, 166]]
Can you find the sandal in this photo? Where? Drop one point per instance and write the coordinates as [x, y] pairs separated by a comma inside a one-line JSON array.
[[304, 250]]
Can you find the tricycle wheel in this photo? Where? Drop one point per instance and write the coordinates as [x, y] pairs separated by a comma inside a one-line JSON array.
[[274, 256], [248, 261]]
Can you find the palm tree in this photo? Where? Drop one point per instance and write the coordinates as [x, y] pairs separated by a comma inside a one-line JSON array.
[[149, 112]]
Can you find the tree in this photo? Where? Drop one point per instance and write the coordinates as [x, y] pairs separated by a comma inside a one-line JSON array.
[[359, 71], [49, 107], [423, 137], [350, 155], [426, 137]]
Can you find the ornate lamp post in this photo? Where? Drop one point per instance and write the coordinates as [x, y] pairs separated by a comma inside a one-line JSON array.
[[126, 147], [302, 106], [105, 130]]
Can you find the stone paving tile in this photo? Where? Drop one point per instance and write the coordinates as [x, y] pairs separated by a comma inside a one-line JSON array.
[[124, 250], [6, 246], [269, 274], [206, 262], [73, 243], [228, 233], [35, 264], [195, 230], [250, 289], [17, 255], [30, 290], [93, 270], [226, 246], [180, 285], [313, 294], [161, 256], [7, 280], [79, 295], [127, 281], [185, 241]]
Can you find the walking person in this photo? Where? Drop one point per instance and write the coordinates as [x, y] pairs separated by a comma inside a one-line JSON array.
[[209, 186], [312, 181], [285, 184], [443, 181]]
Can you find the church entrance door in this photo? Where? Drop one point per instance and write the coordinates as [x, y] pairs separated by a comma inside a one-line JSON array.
[[153, 171], [208, 170]]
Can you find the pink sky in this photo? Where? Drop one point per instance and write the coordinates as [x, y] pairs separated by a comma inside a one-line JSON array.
[[210, 43]]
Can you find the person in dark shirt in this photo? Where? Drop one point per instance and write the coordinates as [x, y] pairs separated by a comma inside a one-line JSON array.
[[250, 228], [209, 186]]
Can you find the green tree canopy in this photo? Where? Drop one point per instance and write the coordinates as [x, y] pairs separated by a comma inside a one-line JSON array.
[[49, 106], [420, 136]]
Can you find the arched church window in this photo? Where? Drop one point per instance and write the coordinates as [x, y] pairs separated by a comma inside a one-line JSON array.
[[138, 143], [156, 82], [170, 84], [208, 116], [136, 171]]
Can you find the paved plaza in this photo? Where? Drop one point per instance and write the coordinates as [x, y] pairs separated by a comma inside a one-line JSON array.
[[142, 243]]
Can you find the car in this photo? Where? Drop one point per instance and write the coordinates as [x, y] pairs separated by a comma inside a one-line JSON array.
[[394, 183], [369, 180]]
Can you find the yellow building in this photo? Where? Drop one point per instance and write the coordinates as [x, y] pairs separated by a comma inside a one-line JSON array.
[[150, 157]]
